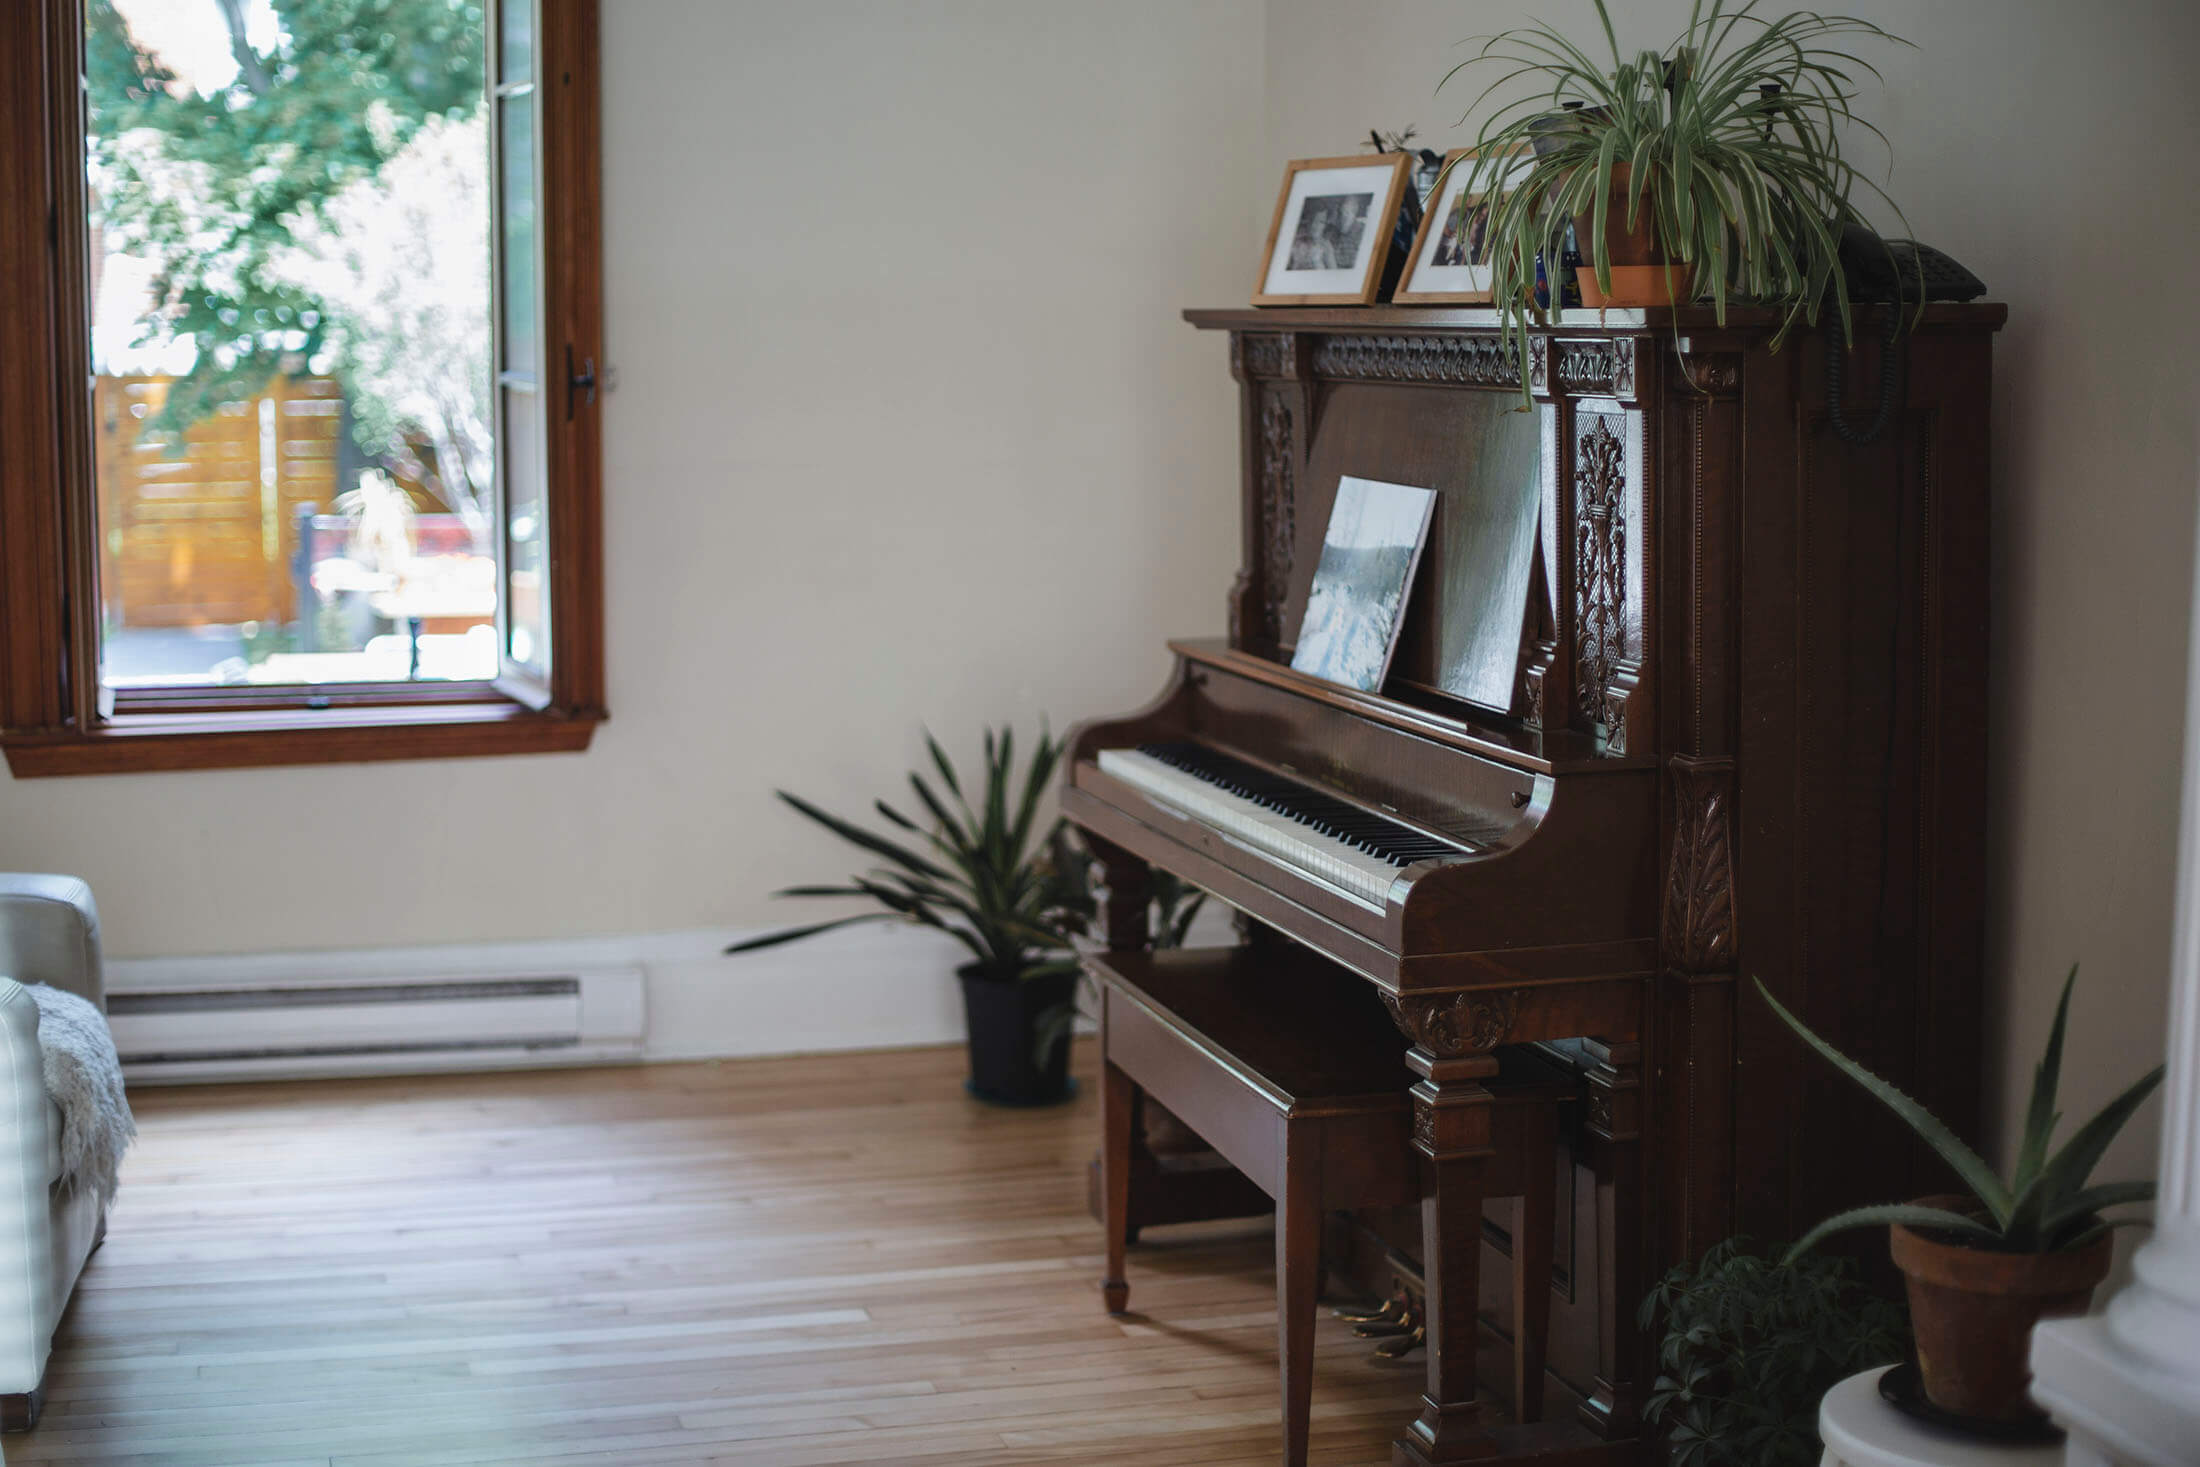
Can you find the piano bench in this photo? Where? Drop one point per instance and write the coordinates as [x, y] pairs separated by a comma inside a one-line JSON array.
[[1292, 1069]]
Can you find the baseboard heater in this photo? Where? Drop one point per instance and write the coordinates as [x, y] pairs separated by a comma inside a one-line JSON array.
[[400, 1025]]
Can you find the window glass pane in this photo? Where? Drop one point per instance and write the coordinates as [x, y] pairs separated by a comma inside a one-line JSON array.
[[526, 534], [516, 18], [290, 251], [518, 191]]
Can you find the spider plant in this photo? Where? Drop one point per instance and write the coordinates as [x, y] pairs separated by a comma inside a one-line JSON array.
[[2045, 1206], [1731, 143], [979, 871]]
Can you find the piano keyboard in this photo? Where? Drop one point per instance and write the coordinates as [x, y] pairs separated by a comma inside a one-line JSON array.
[[1344, 845]]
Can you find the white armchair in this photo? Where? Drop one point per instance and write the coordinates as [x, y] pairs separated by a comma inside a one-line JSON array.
[[49, 933]]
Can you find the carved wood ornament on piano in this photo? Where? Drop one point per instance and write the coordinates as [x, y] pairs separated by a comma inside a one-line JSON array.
[[1745, 735]]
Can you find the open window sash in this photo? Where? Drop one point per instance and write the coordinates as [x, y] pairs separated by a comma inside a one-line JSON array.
[[524, 399]]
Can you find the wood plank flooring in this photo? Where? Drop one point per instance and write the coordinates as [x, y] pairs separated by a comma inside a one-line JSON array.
[[777, 1263]]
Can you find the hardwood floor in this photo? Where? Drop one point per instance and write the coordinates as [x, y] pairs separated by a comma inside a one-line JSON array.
[[768, 1262]]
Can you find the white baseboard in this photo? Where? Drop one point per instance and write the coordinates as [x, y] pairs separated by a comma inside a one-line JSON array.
[[871, 986]]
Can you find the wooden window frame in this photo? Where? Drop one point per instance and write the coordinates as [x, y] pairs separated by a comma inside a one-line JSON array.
[[51, 719]]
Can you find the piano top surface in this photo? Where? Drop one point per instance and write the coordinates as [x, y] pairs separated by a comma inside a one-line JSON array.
[[1943, 316]]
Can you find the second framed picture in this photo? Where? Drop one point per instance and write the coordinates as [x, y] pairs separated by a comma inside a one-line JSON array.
[[1449, 265], [1332, 233]]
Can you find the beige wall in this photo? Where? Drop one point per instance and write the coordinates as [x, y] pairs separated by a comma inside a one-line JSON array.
[[906, 429], [2049, 147]]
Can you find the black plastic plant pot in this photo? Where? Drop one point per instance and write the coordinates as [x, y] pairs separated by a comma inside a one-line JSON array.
[[1004, 1017]]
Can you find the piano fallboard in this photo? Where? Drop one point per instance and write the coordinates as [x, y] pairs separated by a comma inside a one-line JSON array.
[[1549, 882]]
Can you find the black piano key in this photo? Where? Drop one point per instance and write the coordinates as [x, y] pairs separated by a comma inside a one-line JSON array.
[[1341, 820]]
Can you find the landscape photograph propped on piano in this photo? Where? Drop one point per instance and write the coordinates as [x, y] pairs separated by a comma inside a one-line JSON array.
[[1368, 558], [1465, 621]]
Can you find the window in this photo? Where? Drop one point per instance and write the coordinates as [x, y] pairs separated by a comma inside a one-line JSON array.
[[298, 425]]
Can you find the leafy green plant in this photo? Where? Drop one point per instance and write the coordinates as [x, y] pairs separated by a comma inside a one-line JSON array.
[[1731, 138], [980, 871], [211, 189], [1172, 905], [2045, 1206], [1749, 1347], [1174, 902]]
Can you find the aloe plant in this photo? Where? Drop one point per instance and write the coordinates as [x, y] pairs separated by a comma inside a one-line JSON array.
[[2045, 1206], [979, 871], [1732, 136]]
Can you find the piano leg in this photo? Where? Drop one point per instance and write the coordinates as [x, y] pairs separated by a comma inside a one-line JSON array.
[[1613, 1409], [1130, 895], [1451, 1128]]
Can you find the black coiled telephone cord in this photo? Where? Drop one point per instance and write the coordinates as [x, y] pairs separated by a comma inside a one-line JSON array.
[[1893, 358]]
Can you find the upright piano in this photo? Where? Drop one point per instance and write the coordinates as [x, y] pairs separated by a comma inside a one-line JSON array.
[[1743, 738]]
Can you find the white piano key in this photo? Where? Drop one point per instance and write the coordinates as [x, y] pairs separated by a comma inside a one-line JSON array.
[[1344, 868]]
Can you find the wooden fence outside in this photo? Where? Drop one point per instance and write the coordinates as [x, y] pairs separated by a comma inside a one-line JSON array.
[[203, 532]]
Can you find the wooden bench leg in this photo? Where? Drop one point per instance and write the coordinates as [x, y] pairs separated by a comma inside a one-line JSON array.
[[1535, 1219], [1298, 1283], [1118, 1103]]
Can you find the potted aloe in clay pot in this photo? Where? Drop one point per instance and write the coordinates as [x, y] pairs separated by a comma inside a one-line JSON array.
[[1983, 1266]]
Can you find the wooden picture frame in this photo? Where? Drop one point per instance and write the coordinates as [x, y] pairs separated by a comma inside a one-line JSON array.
[[1423, 282], [1312, 226]]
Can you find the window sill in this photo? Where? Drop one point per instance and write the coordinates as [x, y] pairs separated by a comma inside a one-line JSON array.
[[147, 742]]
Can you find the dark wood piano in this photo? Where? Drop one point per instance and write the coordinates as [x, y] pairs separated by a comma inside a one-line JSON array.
[[1745, 737]]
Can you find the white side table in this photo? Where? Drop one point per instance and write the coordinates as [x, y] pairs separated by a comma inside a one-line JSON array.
[[1861, 1430]]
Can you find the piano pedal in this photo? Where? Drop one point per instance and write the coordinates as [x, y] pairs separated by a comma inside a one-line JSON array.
[[1405, 1325], [1390, 1311], [1403, 1345]]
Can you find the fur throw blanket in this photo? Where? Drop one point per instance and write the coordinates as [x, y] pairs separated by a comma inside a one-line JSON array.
[[85, 1080]]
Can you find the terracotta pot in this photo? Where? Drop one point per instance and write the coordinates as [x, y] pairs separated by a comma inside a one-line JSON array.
[[1637, 285], [1972, 1313], [1639, 274], [1622, 246]]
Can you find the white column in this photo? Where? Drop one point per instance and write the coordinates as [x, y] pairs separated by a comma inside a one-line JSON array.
[[2126, 1385]]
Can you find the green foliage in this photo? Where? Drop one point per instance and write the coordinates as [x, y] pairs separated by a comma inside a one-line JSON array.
[[1750, 1345], [1746, 184], [977, 868], [1173, 904], [342, 92], [2046, 1205]]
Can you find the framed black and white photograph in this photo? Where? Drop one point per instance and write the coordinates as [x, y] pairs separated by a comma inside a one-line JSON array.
[[1357, 602], [1331, 235], [1449, 264]]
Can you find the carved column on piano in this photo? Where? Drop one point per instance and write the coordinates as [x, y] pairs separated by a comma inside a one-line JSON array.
[[1609, 552], [1615, 1129], [1700, 452], [1452, 1034], [1697, 1025], [1271, 371], [1548, 677]]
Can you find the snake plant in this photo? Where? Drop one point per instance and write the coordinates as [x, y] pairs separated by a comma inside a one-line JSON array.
[[980, 871], [2045, 1206], [1731, 137]]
